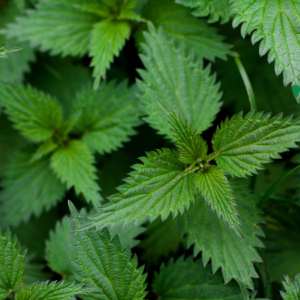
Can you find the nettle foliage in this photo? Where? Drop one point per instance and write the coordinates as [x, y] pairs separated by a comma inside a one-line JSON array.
[[92, 85], [63, 145]]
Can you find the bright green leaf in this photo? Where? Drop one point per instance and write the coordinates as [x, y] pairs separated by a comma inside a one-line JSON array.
[[73, 164], [191, 146], [216, 9], [188, 279], [152, 190], [178, 24], [51, 291], [292, 288], [108, 38], [221, 244], [56, 26], [35, 114], [108, 115], [101, 263], [179, 81], [47, 147], [276, 25], [12, 262], [217, 192], [28, 188], [243, 144]]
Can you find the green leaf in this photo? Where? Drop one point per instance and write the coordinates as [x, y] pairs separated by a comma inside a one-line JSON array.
[[76, 27], [216, 9], [4, 50], [277, 30], [51, 74], [35, 114], [13, 69], [108, 115], [47, 147], [108, 38], [190, 145], [217, 192], [101, 263], [12, 262], [51, 291], [127, 234], [56, 26], [178, 24], [58, 252], [179, 81], [73, 164], [188, 279], [243, 144], [221, 244], [161, 239], [282, 242], [152, 190], [292, 288], [10, 142], [28, 189]]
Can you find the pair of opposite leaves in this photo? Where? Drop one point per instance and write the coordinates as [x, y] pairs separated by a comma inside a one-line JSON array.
[[168, 181]]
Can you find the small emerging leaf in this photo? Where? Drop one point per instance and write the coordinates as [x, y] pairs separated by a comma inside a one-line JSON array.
[[4, 50], [191, 146]]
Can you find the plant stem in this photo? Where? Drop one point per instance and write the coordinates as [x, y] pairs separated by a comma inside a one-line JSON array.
[[270, 191], [247, 83]]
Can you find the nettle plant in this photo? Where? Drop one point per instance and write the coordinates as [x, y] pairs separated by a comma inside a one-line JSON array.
[[206, 213]]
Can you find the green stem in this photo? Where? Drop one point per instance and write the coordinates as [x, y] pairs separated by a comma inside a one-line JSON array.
[[246, 82], [213, 155], [270, 191]]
